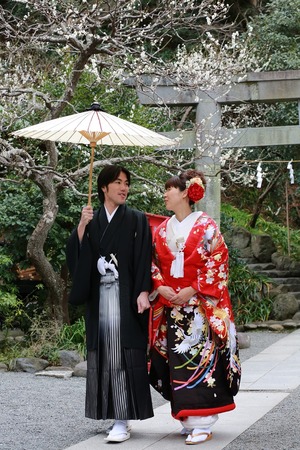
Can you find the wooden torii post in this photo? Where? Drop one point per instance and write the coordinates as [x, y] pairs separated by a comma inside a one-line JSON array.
[[208, 136]]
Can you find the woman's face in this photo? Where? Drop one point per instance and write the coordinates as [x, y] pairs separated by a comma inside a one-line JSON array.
[[174, 198]]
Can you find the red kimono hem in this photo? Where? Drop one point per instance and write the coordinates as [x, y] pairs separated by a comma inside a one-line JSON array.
[[184, 413]]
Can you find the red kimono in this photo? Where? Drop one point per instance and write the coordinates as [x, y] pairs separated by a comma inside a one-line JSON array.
[[194, 350]]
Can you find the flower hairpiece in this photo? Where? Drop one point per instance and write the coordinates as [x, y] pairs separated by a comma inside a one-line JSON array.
[[195, 189]]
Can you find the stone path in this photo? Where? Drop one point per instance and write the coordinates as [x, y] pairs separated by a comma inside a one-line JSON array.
[[268, 378]]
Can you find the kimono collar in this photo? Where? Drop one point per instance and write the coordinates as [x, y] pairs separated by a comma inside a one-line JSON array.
[[108, 215]]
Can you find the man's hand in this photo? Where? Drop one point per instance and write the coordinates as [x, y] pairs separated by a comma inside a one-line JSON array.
[[86, 217], [143, 302]]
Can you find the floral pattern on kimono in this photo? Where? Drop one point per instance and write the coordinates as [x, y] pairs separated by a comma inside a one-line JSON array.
[[201, 332]]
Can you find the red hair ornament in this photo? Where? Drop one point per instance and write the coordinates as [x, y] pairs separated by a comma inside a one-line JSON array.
[[195, 189]]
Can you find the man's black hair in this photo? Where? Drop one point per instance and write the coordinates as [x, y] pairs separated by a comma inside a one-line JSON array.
[[108, 175]]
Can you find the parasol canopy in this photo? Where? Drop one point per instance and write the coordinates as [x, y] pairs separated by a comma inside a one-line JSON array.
[[95, 127]]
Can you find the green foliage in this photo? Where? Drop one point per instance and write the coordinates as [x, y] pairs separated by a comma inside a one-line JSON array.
[[249, 291], [20, 206], [6, 265], [276, 34], [42, 338], [249, 294], [72, 337], [10, 351], [278, 232], [11, 308], [47, 337]]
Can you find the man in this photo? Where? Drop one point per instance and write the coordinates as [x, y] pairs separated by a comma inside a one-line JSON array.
[[109, 258]]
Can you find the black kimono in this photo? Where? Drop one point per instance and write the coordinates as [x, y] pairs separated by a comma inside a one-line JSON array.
[[128, 238]]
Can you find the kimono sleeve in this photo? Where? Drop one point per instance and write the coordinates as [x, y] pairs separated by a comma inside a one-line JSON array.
[[79, 262], [157, 278], [142, 255], [212, 271]]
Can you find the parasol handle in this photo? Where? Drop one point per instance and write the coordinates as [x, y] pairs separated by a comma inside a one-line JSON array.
[[93, 137], [93, 145]]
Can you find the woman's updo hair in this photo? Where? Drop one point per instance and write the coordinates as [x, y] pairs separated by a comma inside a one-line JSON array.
[[181, 181]]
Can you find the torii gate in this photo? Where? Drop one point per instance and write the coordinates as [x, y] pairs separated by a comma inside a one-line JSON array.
[[256, 87]]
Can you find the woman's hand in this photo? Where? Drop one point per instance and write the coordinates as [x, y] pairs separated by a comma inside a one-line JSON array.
[[183, 296], [143, 302], [166, 291]]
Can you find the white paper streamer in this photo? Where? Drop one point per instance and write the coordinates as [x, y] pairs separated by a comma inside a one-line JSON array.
[[290, 168], [259, 175]]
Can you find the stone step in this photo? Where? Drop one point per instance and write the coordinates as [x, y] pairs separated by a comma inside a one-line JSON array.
[[261, 266], [248, 260], [297, 295], [274, 273], [292, 288], [287, 280]]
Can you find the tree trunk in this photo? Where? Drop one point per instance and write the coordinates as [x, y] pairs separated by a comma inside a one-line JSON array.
[[262, 197], [65, 309], [36, 254], [35, 247]]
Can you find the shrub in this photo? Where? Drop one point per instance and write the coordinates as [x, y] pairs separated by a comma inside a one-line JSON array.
[[47, 337], [249, 291]]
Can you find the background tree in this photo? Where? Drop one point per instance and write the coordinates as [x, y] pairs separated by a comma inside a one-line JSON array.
[[56, 59], [274, 41]]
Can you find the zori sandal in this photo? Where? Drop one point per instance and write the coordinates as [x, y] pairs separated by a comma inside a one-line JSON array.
[[117, 437], [197, 438]]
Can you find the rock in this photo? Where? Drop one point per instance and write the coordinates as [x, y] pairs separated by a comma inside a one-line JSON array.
[[263, 247], [30, 365], [278, 289], [80, 369], [283, 262], [250, 326], [20, 339], [69, 358], [262, 325], [296, 316], [56, 373], [284, 306], [3, 367], [276, 327], [58, 368], [290, 325], [295, 266], [13, 335], [246, 253], [15, 332], [244, 340], [242, 238], [2, 336]]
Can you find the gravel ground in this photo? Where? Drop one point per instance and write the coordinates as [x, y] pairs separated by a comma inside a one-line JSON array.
[[279, 428], [48, 414]]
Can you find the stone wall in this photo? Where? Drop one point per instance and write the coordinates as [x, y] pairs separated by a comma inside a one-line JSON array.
[[260, 254]]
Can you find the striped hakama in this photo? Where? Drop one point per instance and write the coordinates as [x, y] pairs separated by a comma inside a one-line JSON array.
[[109, 393]]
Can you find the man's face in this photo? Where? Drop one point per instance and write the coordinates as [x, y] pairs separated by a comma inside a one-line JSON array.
[[116, 193]]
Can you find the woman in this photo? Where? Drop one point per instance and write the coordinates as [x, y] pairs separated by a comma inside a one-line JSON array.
[[194, 351]]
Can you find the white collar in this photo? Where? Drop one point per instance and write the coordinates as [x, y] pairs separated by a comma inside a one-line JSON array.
[[108, 215]]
